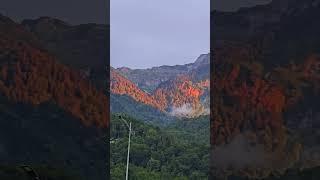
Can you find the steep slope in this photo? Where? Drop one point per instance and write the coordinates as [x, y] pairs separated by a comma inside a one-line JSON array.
[[185, 94], [181, 96], [122, 86], [15, 30], [271, 112], [33, 76], [266, 90], [149, 79], [50, 113], [75, 45]]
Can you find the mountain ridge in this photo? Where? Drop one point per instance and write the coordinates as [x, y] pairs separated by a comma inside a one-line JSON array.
[[69, 43], [180, 91], [148, 79]]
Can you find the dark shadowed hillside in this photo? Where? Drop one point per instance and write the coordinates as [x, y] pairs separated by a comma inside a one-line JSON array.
[[83, 47], [51, 113]]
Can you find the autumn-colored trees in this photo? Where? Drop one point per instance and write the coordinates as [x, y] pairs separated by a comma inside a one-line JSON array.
[[259, 102], [33, 76], [175, 93]]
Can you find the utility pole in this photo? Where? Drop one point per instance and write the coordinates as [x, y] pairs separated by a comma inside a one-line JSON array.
[[127, 171], [128, 155]]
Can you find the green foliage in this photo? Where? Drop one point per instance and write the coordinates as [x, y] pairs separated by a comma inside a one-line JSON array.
[[179, 150], [125, 104]]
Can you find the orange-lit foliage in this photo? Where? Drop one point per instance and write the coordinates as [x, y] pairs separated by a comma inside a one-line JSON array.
[[204, 84], [246, 100], [122, 86], [32, 76], [243, 100], [176, 92]]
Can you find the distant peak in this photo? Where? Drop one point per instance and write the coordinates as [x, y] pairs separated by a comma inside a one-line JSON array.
[[124, 68], [5, 19], [203, 59], [45, 20]]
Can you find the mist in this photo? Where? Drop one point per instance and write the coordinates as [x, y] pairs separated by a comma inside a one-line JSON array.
[[239, 154], [187, 110]]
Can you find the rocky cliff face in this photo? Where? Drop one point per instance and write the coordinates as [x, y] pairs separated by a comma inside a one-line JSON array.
[[150, 79]]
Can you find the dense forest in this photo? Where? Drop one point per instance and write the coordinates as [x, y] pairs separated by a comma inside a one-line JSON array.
[[177, 150]]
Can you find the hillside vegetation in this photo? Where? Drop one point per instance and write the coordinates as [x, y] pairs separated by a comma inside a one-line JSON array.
[[177, 151]]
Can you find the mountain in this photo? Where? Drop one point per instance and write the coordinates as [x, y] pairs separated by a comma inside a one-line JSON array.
[[51, 114], [34, 76], [183, 97], [74, 45], [265, 89], [250, 21], [149, 79], [122, 86], [181, 90], [280, 32]]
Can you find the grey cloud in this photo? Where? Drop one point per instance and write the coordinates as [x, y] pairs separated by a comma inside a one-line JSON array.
[[72, 11], [148, 33]]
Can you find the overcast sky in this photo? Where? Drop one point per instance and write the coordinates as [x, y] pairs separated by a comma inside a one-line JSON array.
[[147, 33], [144, 33], [71, 11]]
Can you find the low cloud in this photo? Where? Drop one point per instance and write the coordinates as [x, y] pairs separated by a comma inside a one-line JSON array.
[[238, 154], [184, 110], [241, 157], [187, 110]]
